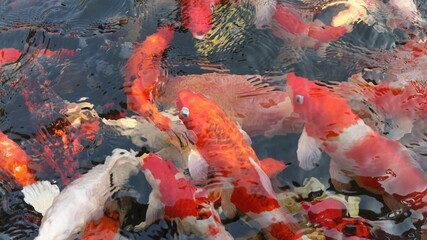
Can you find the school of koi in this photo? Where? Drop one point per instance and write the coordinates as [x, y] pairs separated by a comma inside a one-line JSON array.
[[194, 134]]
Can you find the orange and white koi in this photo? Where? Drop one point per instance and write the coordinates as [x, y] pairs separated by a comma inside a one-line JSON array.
[[223, 148], [257, 107], [357, 152], [143, 77], [175, 199], [84, 199]]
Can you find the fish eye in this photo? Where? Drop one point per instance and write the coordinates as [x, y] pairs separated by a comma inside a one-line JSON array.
[[185, 112], [300, 99]]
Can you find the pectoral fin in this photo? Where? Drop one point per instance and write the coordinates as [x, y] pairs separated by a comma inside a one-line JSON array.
[[272, 166], [308, 152], [155, 210], [40, 195], [197, 166], [228, 207]]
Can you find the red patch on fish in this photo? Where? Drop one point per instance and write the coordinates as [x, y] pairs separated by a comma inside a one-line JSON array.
[[9, 55], [105, 228]]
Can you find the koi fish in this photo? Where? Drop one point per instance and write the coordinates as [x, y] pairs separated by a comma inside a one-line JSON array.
[[56, 141], [357, 152], [15, 161], [238, 95], [143, 77], [84, 199], [289, 24], [197, 16], [403, 102], [222, 147], [257, 107], [175, 199]]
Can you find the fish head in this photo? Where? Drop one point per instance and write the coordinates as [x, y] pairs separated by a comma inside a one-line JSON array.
[[122, 165], [314, 103], [197, 17], [200, 114]]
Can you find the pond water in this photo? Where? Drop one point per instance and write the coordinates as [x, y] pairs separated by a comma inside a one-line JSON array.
[[76, 52]]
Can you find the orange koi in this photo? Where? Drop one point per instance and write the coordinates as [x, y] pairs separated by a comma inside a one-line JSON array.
[[223, 148], [142, 78], [15, 161], [175, 199], [357, 152], [246, 99]]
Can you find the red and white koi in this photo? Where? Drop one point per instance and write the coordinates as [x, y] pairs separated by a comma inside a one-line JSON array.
[[357, 152], [223, 148], [175, 199]]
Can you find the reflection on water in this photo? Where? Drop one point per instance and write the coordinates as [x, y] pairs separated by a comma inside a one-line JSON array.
[[80, 78]]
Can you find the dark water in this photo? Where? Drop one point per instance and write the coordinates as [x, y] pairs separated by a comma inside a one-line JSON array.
[[101, 34]]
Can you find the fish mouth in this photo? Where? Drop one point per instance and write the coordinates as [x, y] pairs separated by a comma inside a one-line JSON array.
[[199, 35]]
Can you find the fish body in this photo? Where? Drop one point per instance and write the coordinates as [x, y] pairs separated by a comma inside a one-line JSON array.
[[357, 152], [175, 199], [289, 24], [143, 76], [197, 16], [84, 199], [245, 186], [15, 160], [8, 55], [257, 107]]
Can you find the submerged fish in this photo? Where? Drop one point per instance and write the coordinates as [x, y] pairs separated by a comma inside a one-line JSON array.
[[223, 149], [289, 24], [143, 77], [357, 152], [405, 102], [197, 16], [15, 160], [245, 98], [84, 199], [175, 199]]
